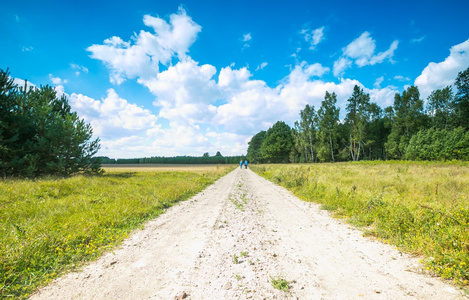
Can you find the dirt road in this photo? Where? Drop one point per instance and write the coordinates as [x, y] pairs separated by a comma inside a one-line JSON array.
[[229, 241]]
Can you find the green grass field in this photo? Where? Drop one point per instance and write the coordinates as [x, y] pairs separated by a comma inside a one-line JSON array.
[[422, 208], [49, 226]]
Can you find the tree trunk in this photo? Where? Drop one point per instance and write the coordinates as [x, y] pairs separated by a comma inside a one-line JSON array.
[[311, 147], [332, 152]]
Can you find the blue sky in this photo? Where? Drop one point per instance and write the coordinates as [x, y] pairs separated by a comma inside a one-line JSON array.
[[164, 78]]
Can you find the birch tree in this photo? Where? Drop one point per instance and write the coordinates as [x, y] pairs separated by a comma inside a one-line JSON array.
[[358, 114], [328, 120]]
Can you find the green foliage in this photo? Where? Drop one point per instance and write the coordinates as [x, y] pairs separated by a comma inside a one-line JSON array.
[[358, 116], [40, 135], [277, 144], [48, 226], [254, 149], [279, 283], [305, 134], [461, 116], [328, 133], [440, 108], [439, 144], [421, 208], [407, 121], [371, 133]]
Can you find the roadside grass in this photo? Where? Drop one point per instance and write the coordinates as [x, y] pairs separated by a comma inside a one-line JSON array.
[[420, 207], [52, 225]]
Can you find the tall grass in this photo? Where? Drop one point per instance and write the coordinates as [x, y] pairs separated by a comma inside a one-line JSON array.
[[422, 208], [49, 226]]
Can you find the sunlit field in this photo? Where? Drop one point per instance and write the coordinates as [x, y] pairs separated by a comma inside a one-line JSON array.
[[51, 225], [422, 208], [161, 168]]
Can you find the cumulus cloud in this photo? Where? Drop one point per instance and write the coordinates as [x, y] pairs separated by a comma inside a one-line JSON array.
[[21, 83], [313, 37], [184, 91], [140, 57], [439, 75], [384, 97], [112, 116], [361, 51], [199, 108]]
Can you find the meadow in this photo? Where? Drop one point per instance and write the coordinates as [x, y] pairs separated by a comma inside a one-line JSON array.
[[52, 225], [421, 208]]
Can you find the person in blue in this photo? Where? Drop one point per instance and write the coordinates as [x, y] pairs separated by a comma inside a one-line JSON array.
[[246, 164], [240, 164]]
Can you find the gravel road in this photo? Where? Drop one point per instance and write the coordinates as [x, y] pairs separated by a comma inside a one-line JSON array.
[[231, 240]]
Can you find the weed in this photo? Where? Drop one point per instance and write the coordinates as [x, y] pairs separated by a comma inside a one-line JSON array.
[[235, 259], [238, 277], [279, 283], [236, 203], [244, 254]]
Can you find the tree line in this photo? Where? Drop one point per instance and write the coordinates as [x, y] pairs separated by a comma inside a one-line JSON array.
[[40, 135], [205, 159], [406, 130]]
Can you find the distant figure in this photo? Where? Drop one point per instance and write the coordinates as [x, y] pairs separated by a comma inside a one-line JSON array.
[[240, 164], [246, 164]]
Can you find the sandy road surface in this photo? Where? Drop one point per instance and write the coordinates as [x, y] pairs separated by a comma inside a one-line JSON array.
[[230, 240]]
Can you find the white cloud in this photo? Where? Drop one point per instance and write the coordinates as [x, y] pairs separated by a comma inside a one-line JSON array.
[[112, 116], [57, 80], [79, 68], [401, 78], [246, 40], [378, 82], [184, 91], [362, 47], [198, 110], [439, 75], [418, 40], [141, 57], [341, 65], [27, 49], [21, 83], [313, 37], [261, 66], [384, 97], [247, 37], [362, 52]]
